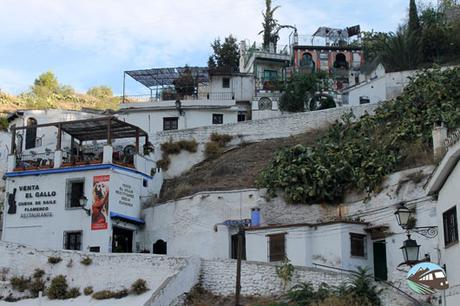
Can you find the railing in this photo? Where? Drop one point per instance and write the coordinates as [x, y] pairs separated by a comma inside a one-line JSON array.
[[175, 96], [414, 300], [32, 160]]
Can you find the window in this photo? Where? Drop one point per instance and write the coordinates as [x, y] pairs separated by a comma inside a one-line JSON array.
[[72, 240], [74, 191], [31, 134], [270, 75], [217, 118], [358, 245], [241, 116], [449, 219], [95, 249], [170, 123], [265, 103], [276, 244], [226, 83]]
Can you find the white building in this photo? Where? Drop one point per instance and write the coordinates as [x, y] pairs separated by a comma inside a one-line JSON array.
[[444, 184], [341, 244], [87, 198]]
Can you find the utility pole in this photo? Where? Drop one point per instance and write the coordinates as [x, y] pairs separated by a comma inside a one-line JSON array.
[[238, 265]]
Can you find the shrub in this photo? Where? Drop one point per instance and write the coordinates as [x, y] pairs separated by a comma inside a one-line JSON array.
[[38, 273], [3, 123], [86, 261], [73, 293], [164, 163], [36, 286], [20, 283], [359, 154], [54, 260], [285, 271], [58, 288], [188, 145], [88, 290], [221, 139], [108, 294], [212, 150], [139, 286], [170, 148]]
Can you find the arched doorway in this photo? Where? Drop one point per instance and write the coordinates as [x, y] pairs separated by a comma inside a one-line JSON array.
[[341, 61], [160, 247], [31, 133]]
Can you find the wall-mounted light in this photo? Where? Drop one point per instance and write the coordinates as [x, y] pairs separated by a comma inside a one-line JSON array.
[[83, 202]]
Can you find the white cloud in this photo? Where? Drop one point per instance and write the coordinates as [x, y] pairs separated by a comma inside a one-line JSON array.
[[134, 34]]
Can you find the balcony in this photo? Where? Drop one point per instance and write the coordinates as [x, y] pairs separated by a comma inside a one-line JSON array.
[[91, 143], [173, 96]]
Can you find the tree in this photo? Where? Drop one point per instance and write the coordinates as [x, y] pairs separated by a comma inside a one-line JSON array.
[[299, 90], [226, 54], [185, 83], [46, 84], [414, 22], [100, 92], [269, 25]]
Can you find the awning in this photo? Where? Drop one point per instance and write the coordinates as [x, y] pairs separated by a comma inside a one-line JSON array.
[[125, 218]]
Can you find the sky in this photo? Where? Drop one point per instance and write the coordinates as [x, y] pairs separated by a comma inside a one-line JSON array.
[[91, 42]]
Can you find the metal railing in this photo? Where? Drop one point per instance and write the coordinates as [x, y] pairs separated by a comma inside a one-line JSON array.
[[33, 160], [175, 96], [408, 296]]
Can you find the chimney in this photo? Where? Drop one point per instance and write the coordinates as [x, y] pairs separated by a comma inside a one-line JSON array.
[[439, 137]]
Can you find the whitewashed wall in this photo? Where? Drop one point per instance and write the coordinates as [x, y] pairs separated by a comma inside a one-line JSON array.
[[375, 90], [192, 226], [107, 271], [448, 197], [327, 244], [48, 231], [242, 86], [397, 81]]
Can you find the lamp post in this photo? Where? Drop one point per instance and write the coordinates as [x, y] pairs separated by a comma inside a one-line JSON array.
[[410, 248], [83, 201]]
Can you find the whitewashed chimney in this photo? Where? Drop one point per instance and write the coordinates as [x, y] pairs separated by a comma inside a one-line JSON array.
[[439, 138]]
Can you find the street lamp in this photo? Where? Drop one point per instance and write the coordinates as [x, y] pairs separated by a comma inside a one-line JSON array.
[[410, 250], [403, 215], [83, 201]]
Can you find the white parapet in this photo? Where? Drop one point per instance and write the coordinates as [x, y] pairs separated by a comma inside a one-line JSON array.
[[108, 152], [11, 162], [57, 159], [439, 137]]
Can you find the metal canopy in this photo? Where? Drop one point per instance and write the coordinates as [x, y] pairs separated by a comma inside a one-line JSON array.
[[166, 76], [95, 128]]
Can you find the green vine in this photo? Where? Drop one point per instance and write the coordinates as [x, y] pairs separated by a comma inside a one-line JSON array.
[[358, 155], [285, 272]]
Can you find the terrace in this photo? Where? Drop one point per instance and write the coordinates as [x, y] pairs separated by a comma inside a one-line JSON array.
[[91, 142], [171, 84]]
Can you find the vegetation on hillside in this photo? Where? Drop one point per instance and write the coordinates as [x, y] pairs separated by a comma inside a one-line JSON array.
[[357, 155], [429, 37], [47, 92]]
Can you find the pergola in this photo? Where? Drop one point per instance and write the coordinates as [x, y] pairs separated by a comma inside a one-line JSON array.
[[99, 128], [160, 77]]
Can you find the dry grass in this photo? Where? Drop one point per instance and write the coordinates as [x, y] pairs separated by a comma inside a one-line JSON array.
[[237, 168], [200, 297]]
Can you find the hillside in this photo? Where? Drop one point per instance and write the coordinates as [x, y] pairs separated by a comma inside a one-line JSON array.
[[74, 101], [237, 168]]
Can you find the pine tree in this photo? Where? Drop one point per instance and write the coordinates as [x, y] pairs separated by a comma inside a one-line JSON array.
[[226, 54]]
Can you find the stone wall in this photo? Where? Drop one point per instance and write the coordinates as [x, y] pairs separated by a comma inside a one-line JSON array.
[[259, 279], [277, 127]]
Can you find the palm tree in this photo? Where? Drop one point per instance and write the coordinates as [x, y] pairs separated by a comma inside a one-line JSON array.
[[269, 25]]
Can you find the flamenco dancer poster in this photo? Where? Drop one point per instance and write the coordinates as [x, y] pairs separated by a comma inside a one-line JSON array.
[[100, 207]]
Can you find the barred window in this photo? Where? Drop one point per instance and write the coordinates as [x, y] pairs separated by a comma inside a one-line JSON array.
[[72, 240], [449, 219], [217, 118], [170, 123]]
